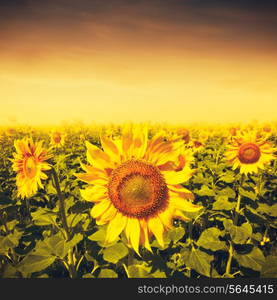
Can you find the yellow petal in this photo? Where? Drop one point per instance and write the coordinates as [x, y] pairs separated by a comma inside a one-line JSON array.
[[108, 215], [172, 177], [127, 140], [99, 208], [181, 191], [140, 139], [144, 228], [97, 158], [156, 227], [94, 193], [115, 227], [166, 217], [184, 204], [110, 148], [134, 233], [92, 178], [179, 215]]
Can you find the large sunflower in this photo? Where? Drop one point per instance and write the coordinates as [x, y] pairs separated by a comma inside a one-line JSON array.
[[135, 184], [29, 162], [249, 153]]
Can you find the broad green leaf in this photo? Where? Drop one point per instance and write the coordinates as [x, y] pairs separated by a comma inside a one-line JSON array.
[[200, 262], [77, 238], [53, 245], [158, 274], [74, 219], [98, 236], [42, 217], [200, 179], [114, 253], [227, 177], [253, 260], [227, 192], [222, 203], [35, 263], [138, 271], [269, 268], [240, 234], [175, 234], [107, 273], [10, 241], [205, 191], [209, 239], [247, 194], [228, 224], [267, 209], [9, 272]]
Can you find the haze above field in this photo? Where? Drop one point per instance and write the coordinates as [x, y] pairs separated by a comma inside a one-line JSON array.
[[115, 61]]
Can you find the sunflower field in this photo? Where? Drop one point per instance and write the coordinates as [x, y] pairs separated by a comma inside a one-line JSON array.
[[138, 201]]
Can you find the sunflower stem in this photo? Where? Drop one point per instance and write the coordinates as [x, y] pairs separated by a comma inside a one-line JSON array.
[[237, 209], [229, 262], [71, 265], [61, 203]]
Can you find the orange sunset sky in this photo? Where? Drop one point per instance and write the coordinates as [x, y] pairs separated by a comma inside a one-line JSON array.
[[114, 61]]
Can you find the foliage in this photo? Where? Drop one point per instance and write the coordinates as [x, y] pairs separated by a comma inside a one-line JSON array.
[[234, 236]]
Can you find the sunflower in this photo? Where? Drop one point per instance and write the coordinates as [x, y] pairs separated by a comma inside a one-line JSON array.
[[57, 138], [29, 162], [135, 184], [249, 153]]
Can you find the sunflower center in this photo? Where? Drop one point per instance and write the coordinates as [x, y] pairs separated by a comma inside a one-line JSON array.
[[57, 137], [249, 153], [138, 189], [30, 167]]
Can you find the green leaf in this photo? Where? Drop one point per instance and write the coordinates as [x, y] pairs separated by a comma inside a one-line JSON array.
[[98, 236], [10, 241], [35, 263], [228, 224], [74, 219], [253, 260], [9, 272], [267, 209], [247, 194], [200, 262], [240, 234], [222, 203], [42, 217], [114, 253], [54, 245], [200, 179], [227, 177], [209, 239], [205, 191], [138, 271], [175, 234], [269, 268], [107, 273], [227, 192]]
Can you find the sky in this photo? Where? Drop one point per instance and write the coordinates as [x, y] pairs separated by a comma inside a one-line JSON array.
[[116, 61]]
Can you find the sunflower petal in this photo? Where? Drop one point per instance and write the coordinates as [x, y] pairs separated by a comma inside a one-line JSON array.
[[157, 228], [96, 157], [99, 208], [144, 228], [134, 233], [184, 204], [94, 193], [115, 227]]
